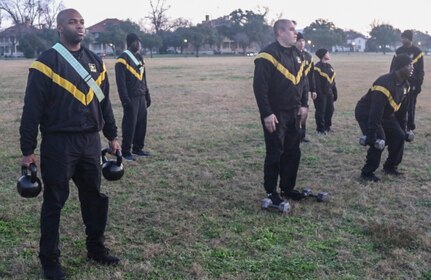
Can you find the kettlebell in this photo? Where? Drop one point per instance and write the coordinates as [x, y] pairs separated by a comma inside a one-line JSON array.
[[112, 170], [29, 185]]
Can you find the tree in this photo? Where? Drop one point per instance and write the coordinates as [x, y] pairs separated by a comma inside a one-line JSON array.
[[49, 12], [115, 35], [158, 16], [42, 12], [249, 26], [257, 29], [385, 35], [422, 40], [243, 40], [197, 37], [30, 44], [151, 41], [324, 34]]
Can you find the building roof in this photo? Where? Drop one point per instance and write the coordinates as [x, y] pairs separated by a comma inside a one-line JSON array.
[[18, 28], [101, 26]]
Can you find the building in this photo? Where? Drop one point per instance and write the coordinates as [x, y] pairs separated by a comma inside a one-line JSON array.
[[9, 39], [355, 42], [93, 32]]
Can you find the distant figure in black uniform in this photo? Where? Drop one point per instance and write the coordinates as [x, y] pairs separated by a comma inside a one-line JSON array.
[[309, 84], [326, 89], [417, 78], [278, 88], [381, 114], [135, 97], [70, 115]]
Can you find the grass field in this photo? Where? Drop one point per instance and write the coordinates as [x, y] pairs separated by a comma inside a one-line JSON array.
[[192, 210]]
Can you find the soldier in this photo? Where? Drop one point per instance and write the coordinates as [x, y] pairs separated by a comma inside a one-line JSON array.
[[381, 114], [135, 97], [309, 84], [70, 111], [326, 90], [417, 78], [278, 88]]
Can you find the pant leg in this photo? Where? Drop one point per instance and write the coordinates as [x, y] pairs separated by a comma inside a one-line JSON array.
[[94, 205], [329, 111], [290, 158], [141, 125], [130, 114], [373, 155], [411, 112], [395, 140], [303, 131], [274, 149], [319, 115], [58, 159]]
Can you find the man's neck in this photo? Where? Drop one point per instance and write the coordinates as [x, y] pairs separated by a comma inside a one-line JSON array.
[[282, 44], [399, 78], [71, 47]]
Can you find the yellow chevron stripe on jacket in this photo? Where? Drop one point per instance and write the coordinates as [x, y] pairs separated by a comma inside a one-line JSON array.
[[324, 75], [388, 94], [283, 70], [307, 70], [131, 69], [67, 85], [417, 57]]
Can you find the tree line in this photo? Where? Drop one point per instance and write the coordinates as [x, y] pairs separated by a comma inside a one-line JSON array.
[[36, 22]]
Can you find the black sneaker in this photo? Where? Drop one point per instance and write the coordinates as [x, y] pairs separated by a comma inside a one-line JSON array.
[[305, 139], [128, 157], [53, 271], [392, 171], [275, 198], [321, 133], [103, 258], [141, 153], [369, 177], [294, 195]]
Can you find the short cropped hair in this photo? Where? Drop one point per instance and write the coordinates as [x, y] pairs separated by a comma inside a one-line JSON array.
[[280, 24]]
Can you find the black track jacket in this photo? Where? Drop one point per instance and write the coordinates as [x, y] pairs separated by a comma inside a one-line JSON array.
[[59, 101], [278, 82], [384, 100], [130, 81], [417, 56], [324, 76]]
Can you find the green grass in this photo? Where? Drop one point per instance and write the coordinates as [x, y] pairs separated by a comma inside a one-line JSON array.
[[192, 209]]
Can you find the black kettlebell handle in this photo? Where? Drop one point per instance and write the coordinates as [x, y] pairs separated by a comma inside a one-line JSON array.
[[117, 154], [33, 171]]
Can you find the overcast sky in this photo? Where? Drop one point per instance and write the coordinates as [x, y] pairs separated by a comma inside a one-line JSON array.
[[357, 15]]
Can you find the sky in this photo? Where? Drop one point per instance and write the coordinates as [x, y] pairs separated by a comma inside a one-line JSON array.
[[357, 15]]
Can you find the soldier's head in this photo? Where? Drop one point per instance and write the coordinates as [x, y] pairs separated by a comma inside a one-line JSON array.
[[285, 33], [300, 41], [407, 38], [323, 54], [70, 27], [403, 66], [133, 42]]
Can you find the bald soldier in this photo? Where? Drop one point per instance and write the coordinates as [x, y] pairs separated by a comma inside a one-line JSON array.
[[69, 111]]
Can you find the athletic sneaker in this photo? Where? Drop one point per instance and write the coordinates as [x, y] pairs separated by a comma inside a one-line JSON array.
[[275, 198], [392, 171], [128, 157], [141, 153], [52, 270], [294, 194], [370, 177], [103, 258]]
